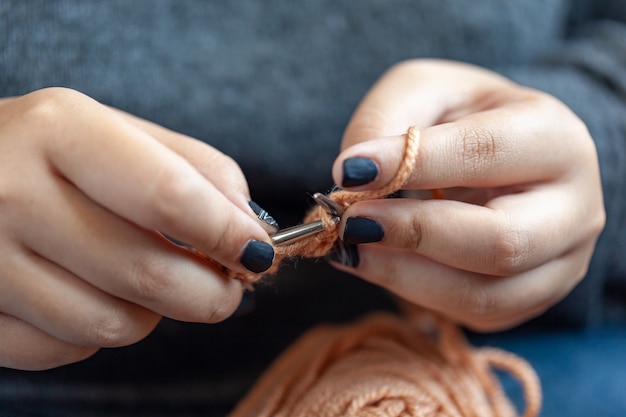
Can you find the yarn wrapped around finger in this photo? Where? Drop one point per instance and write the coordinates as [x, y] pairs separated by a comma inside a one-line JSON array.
[[320, 244], [386, 365]]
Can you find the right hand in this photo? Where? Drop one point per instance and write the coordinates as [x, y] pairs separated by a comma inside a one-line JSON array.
[[522, 206], [83, 191]]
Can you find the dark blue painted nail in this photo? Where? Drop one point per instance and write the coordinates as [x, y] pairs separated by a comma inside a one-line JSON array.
[[347, 255], [263, 215], [362, 230], [358, 171], [257, 256]]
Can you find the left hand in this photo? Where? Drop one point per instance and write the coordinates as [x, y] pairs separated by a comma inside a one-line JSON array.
[[523, 202]]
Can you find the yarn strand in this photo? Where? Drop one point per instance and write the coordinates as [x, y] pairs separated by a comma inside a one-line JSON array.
[[384, 366], [320, 244], [416, 364]]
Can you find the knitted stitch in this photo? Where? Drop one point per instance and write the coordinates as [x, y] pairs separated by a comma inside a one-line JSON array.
[[320, 244]]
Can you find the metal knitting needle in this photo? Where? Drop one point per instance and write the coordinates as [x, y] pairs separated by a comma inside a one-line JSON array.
[[295, 233], [331, 206], [301, 231]]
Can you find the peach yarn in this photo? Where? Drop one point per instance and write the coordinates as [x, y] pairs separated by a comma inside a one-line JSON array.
[[386, 365], [389, 366], [320, 244]]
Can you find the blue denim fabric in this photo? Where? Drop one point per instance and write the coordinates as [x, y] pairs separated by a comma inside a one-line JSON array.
[[583, 372]]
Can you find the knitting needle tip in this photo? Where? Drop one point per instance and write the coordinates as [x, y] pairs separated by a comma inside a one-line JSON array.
[[293, 234], [331, 206]]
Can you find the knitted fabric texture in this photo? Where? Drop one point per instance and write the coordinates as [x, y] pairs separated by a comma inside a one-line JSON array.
[[389, 366]]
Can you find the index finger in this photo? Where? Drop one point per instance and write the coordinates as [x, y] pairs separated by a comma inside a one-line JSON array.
[[421, 93], [135, 176], [515, 143]]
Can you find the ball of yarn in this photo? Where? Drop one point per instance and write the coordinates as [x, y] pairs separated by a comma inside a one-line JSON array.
[[386, 366]]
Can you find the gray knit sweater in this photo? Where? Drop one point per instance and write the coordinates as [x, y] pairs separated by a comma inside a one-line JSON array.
[[272, 83]]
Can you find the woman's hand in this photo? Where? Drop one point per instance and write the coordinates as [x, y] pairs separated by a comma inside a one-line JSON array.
[[83, 191], [522, 205]]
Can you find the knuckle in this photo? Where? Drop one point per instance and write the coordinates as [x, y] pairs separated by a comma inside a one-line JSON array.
[[169, 194], [110, 330], [151, 277], [414, 238], [155, 282], [225, 170], [511, 249], [34, 119], [169, 201], [405, 233], [409, 233], [576, 128], [221, 162], [479, 302], [477, 149], [44, 108], [598, 222]]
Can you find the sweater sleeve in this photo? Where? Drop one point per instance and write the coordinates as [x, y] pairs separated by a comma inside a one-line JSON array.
[[588, 73]]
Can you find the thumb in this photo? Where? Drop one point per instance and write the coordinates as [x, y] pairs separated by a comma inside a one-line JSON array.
[[421, 93]]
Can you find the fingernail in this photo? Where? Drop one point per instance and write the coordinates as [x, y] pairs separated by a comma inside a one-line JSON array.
[[263, 215], [362, 230], [347, 255], [177, 242], [358, 171], [257, 256]]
